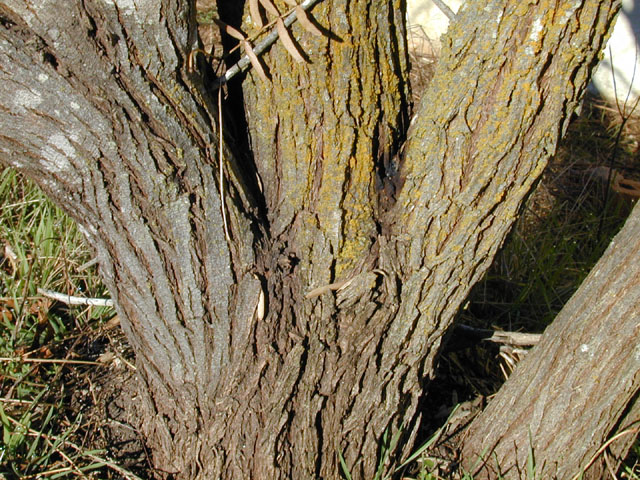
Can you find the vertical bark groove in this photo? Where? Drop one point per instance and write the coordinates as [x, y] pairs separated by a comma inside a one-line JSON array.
[[113, 128], [132, 158], [587, 361]]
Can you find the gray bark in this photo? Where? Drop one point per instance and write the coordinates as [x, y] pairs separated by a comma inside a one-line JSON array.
[[578, 387], [98, 107]]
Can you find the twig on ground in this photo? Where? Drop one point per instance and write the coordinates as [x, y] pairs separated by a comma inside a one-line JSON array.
[[73, 300], [48, 360], [465, 336], [54, 441], [515, 338], [510, 338]]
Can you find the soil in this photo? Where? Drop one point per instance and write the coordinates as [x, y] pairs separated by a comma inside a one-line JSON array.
[[106, 397]]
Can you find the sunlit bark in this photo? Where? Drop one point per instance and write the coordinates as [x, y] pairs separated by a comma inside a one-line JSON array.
[[579, 386], [359, 249]]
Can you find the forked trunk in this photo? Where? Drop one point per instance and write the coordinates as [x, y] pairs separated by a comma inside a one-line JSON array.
[[311, 329]]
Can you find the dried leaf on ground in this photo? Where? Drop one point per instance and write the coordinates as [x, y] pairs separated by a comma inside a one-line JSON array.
[[11, 256], [6, 307]]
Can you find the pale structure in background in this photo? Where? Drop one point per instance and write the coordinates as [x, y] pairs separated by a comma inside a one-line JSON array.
[[621, 58], [427, 24], [622, 49]]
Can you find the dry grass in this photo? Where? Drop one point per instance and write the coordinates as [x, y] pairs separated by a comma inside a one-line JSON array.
[[565, 226], [48, 350]]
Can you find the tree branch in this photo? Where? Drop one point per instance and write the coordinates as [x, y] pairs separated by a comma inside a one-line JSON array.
[[74, 300], [261, 46], [585, 375], [464, 336], [444, 8]]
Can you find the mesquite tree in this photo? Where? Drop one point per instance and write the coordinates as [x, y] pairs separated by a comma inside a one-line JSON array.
[[293, 308]]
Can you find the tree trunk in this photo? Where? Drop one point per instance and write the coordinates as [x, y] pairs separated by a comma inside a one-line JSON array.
[[360, 255], [578, 387]]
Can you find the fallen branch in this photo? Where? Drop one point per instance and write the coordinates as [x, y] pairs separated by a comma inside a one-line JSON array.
[[48, 360], [465, 336]]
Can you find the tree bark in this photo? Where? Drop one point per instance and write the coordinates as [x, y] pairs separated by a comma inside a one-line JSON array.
[[360, 249], [578, 387], [99, 109]]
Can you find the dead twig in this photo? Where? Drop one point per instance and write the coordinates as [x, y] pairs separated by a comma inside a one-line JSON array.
[[444, 8], [518, 339], [73, 300], [260, 47], [48, 360]]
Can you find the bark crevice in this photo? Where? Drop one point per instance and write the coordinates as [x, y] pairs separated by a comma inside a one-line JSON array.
[[231, 392]]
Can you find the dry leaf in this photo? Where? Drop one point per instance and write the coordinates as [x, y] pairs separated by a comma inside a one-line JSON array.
[[107, 357], [113, 322], [234, 33], [306, 23], [229, 30], [283, 33], [5, 310], [270, 7], [43, 352], [10, 255], [253, 58], [9, 303], [260, 307], [624, 186], [291, 2], [40, 308], [254, 9]]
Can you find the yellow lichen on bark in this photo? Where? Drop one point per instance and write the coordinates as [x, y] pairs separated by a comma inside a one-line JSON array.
[[470, 151], [318, 129]]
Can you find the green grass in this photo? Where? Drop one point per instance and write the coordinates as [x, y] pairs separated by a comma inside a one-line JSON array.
[[566, 225], [41, 248], [425, 463]]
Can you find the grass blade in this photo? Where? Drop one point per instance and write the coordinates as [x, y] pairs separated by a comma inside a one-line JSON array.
[[343, 465]]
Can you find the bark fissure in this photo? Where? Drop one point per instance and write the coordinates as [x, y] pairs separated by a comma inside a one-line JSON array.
[[579, 383], [229, 392]]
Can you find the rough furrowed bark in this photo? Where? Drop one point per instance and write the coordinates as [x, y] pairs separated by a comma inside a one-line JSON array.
[[586, 375], [462, 179], [99, 109], [358, 289], [321, 135], [473, 153]]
